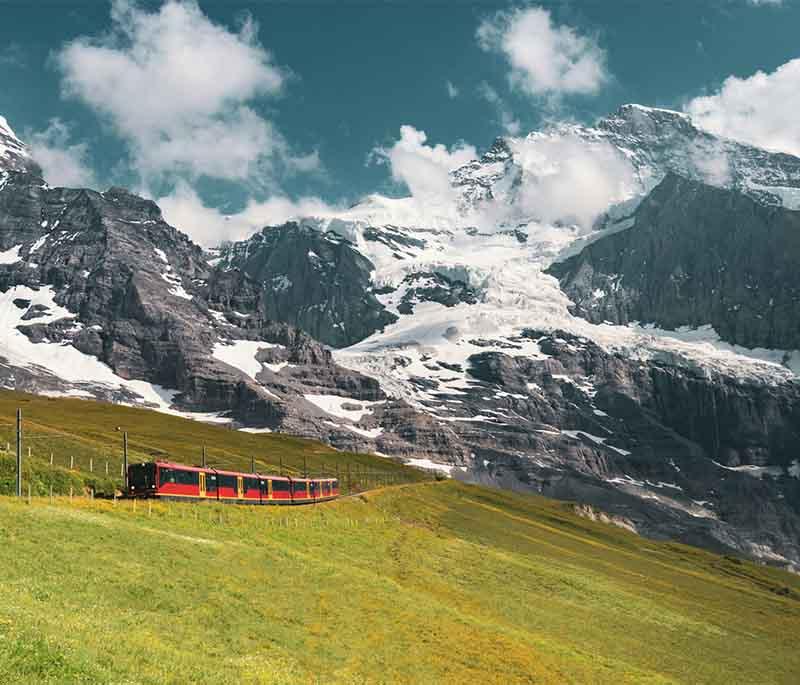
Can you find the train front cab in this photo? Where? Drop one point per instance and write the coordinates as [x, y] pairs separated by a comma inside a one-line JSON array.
[[142, 480]]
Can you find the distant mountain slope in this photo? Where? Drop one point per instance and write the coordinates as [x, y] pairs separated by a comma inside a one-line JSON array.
[[695, 255]]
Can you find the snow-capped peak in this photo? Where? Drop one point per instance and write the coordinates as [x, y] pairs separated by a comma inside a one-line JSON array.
[[14, 156]]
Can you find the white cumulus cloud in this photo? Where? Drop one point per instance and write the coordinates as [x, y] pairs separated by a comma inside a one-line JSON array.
[[63, 163], [425, 168], [760, 109], [545, 59], [179, 89], [208, 226], [569, 180]]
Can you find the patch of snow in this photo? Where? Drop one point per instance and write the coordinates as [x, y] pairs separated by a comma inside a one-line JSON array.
[[255, 430], [430, 465], [37, 244], [241, 354], [11, 255], [753, 470], [333, 405], [595, 439], [366, 432]]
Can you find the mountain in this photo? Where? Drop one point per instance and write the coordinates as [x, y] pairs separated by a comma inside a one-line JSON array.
[[695, 255], [441, 333]]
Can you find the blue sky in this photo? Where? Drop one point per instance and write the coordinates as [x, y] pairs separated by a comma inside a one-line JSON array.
[[350, 74]]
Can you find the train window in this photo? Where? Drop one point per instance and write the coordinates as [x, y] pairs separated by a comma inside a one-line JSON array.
[[187, 477], [166, 476], [211, 482], [251, 484], [280, 486], [227, 482]]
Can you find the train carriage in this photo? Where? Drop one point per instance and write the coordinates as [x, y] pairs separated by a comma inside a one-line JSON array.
[[166, 480]]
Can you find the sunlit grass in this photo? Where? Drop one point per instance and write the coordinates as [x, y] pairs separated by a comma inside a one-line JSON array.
[[426, 583]]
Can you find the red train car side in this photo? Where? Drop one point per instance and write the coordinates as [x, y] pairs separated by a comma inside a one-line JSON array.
[[167, 480]]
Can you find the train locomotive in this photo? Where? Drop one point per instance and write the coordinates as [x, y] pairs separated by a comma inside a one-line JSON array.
[[165, 480]]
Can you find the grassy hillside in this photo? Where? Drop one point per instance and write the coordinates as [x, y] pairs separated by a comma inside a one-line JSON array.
[[423, 583], [83, 433]]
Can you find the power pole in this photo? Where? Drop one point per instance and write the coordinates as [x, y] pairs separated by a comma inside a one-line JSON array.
[[125, 460], [252, 464], [19, 452], [203, 464], [305, 468]]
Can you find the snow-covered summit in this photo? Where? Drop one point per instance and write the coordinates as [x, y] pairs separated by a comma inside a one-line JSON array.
[[14, 154]]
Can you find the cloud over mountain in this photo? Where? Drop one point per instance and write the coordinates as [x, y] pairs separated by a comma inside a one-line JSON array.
[[179, 89], [760, 109], [545, 59]]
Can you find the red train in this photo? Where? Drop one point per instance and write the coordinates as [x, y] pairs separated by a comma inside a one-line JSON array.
[[166, 481]]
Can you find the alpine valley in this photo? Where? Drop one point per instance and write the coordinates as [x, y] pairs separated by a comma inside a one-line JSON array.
[[633, 349]]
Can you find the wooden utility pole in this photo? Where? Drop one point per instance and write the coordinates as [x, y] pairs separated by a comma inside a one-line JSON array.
[[252, 464], [203, 464], [19, 452], [305, 468], [125, 459]]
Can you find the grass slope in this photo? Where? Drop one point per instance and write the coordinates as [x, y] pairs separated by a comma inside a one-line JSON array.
[[86, 431], [437, 582]]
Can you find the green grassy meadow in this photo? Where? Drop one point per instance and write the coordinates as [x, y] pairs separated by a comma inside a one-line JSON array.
[[435, 582]]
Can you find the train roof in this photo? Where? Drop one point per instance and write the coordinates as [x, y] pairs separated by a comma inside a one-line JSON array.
[[209, 469]]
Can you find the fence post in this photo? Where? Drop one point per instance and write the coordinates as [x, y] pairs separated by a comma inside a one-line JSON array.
[[91, 465], [71, 462], [106, 466]]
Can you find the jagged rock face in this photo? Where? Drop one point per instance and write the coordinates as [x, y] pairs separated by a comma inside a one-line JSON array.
[[662, 141], [139, 315], [315, 281], [708, 460], [695, 255], [433, 287]]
